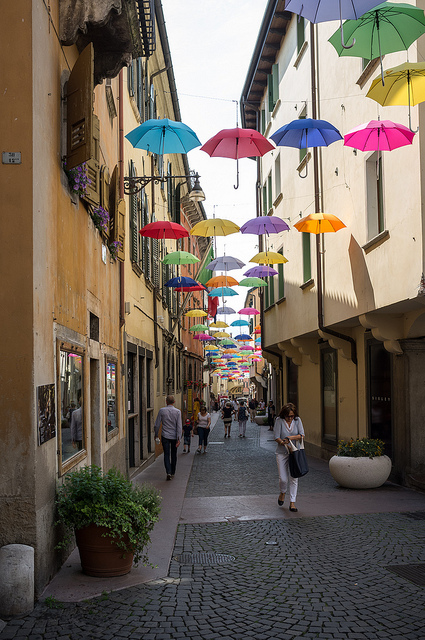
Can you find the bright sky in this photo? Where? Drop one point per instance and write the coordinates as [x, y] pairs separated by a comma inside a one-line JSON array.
[[211, 44]]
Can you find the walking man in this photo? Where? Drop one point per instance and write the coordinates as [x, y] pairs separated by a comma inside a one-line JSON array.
[[171, 420]]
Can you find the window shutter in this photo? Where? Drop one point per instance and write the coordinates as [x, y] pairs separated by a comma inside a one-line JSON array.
[[275, 82], [104, 194], [92, 194], [121, 229], [139, 88], [270, 91], [170, 191], [134, 231], [176, 204], [155, 262], [130, 79], [80, 109], [113, 200]]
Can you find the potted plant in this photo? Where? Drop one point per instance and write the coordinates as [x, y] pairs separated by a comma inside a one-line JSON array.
[[360, 464], [111, 517], [261, 417]]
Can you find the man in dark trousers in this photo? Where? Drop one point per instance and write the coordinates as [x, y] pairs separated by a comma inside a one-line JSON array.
[[171, 420]]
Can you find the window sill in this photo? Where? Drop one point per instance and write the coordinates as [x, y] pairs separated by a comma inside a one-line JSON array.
[[278, 200], [367, 72], [112, 434], [276, 108], [137, 270], [376, 241], [304, 162], [268, 127], [281, 300], [301, 53], [308, 284]]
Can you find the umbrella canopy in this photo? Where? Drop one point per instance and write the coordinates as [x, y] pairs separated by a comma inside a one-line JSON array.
[[199, 327], [225, 263], [214, 227], [262, 271], [249, 311], [243, 336], [222, 291], [222, 334], [219, 325], [164, 229], [381, 135], [202, 336], [210, 347], [218, 281], [264, 224], [306, 132], [182, 281], [226, 310], [269, 257], [227, 343], [237, 143], [246, 348], [196, 313], [253, 282], [240, 323], [180, 257], [325, 10], [163, 136], [319, 223], [198, 287], [257, 330]]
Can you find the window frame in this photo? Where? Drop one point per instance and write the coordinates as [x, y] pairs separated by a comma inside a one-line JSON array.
[[110, 433]]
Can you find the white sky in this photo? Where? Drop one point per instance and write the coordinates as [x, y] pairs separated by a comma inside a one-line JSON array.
[[211, 44]]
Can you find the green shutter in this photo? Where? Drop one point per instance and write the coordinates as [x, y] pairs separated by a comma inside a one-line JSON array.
[[306, 256], [281, 281], [270, 92], [265, 200], [269, 192], [263, 121], [275, 75], [300, 33], [266, 292]]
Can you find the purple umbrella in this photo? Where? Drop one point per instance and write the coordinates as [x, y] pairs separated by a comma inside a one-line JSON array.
[[225, 263], [226, 310], [261, 271], [264, 224]]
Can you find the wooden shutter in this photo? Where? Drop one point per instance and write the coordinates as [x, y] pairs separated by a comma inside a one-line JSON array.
[[275, 79], [80, 109], [104, 194], [116, 214], [121, 229], [155, 262], [270, 91], [92, 194]]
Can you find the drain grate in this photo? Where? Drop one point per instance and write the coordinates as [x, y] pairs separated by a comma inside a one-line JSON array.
[[413, 572], [415, 515], [204, 558]]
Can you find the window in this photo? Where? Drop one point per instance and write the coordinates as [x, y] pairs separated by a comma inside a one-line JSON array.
[[269, 192], [277, 178], [306, 257], [300, 32], [71, 428], [146, 242], [111, 396], [116, 214], [263, 120], [265, 200], [281, 281], [135, 222], [375, 199], [267, 292], [139, 89], [329, 381], [273, 87]]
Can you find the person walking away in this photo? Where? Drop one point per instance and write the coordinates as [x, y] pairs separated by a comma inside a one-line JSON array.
[[171, 420], [187, 434], [226, 415], [242, 418], [204, 425], [252, 407], [235, 405], [196, 407], [271, 413], [288, 426]]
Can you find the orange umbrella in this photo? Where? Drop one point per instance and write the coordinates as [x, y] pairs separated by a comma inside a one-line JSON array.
[[222, 281], [319, 223]]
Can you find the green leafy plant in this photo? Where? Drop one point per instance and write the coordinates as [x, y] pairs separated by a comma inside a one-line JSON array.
[[52, 603], [129, 512], [361, 448]]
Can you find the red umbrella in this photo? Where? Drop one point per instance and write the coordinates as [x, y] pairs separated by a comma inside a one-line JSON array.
[[237, 143], [164, 229], [199, 287]]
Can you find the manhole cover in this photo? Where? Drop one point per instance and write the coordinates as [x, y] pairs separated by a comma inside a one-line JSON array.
[[413, 572], [204, 558], [415, 515]]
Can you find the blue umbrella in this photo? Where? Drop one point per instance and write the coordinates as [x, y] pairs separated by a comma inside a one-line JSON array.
[[243, 336], [181, 281], [222, 291], [305, 132], [240, 323], [163, 136]]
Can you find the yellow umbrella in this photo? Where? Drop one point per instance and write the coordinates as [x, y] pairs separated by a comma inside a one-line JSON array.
[[214, 227], [269, 257], [196, 313], [319, 223], [222, 281], [219, 325], [222, 334], [210, 347]]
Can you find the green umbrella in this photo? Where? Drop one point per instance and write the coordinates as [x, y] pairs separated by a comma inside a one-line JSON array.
[[199, 327], [253, 282], [180, 257], [387, 28]]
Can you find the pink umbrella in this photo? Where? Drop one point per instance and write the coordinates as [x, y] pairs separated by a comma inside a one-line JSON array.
[[379, 135], [247, 348], [249, 311], [203, 336]]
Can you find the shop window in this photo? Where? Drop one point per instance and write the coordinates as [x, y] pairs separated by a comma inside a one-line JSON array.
[[71, 384], [111, 396]]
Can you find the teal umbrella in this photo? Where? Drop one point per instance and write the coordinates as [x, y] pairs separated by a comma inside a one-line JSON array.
[[387, 28], [222, 291]]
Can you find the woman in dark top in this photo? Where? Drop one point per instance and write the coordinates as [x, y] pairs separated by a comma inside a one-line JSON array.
[[226, 414]]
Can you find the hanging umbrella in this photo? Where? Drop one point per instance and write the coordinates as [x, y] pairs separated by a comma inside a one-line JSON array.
[[164, 229], [222, 291], [319, 223], [180, 257], [326, 10], [253, 282], [218, 281], [219, 325], [210, 347], [243, 336], [404, 85], [214, 227], [262, 271], [199, 327], [222, 334], [264, 225], [202, 336], [163, 136], [182, 281], [306, 132], [240, 323], [237, 143], [379, 135], [226, 310], [269, 257], [225, 263], [196, 313], [384, 29], [227, 343], [249, 311], [257, 330], [246, 348]]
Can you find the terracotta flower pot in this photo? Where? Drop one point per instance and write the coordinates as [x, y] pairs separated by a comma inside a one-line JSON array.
[[360, 473], [100, 556]]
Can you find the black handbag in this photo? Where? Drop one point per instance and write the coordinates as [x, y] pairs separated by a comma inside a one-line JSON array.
[[298, 465]]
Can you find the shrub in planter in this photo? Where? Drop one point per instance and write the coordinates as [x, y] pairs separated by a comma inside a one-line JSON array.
[[360, 464], [126, 513]]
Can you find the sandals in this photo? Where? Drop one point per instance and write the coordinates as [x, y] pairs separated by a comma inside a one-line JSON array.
[[292, 507], [279, 501]]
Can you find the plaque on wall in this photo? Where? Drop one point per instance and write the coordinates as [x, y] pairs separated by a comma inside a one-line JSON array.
[[46, 414]]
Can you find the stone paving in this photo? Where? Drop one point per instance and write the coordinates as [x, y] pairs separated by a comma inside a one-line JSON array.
[[324, 577]]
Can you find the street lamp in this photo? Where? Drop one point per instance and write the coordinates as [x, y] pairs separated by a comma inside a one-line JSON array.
[[135, 184]]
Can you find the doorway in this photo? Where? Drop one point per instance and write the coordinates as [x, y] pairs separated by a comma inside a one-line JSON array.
[[379, 394]]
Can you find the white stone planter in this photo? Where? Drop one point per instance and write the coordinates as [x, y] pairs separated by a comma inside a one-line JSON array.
[[360, 473]]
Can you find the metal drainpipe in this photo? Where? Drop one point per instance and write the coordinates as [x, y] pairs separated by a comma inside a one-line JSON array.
[[318, 208], [121, 183]]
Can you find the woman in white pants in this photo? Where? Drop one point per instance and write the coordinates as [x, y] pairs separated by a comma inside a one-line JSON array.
[[288, 426]]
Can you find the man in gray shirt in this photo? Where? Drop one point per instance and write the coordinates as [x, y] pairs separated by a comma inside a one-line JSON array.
[[171, 420]]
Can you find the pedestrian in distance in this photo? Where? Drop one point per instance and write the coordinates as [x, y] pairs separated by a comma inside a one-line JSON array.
[[252, 407], [287, 426], [271, 414], [171, 420], [235, 405], [203, 424], [187, 435], [242, 418], [226, 415]]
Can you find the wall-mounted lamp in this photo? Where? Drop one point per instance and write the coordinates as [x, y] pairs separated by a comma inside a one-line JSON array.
[[135, 184]]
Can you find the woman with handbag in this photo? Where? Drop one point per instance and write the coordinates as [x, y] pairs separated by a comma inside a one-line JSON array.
[[287, 427]]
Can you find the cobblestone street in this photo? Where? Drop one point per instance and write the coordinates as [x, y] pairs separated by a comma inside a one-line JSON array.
[[283, 577]]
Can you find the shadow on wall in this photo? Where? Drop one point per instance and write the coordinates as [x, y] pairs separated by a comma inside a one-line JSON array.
[[362, 283]]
